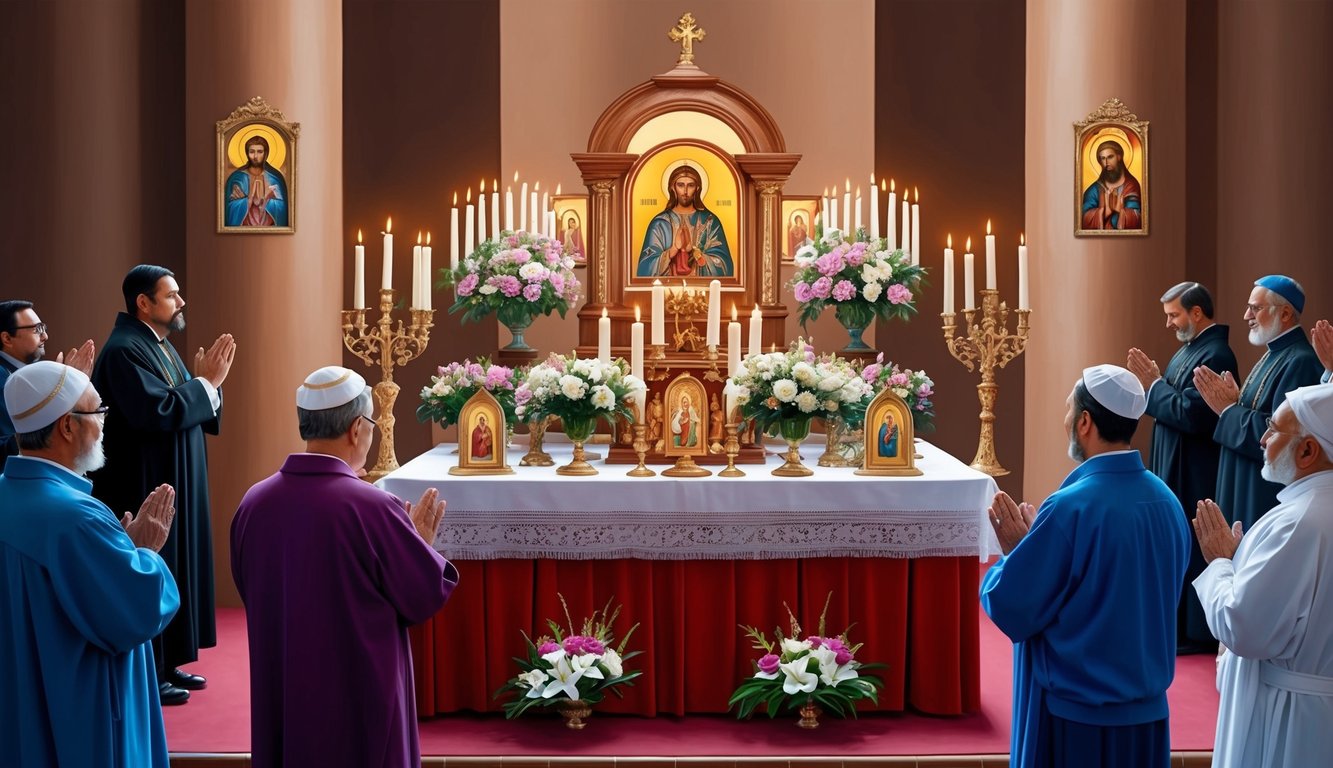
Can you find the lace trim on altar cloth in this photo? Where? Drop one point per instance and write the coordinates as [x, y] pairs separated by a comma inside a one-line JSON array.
[[758, 536]]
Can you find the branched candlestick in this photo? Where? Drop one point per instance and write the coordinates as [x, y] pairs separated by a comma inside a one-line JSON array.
[[988, 344], [388, 347]]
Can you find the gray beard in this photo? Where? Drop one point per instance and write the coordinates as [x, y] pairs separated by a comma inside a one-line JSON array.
[[177, 323], [1076, 451], [1262, 334], [92, 459], [1282, 470], [1186, 336]]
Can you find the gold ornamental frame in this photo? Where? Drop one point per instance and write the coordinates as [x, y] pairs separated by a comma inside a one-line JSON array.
[[1115, 122], [257, 119], [888, 410], [482, 411]]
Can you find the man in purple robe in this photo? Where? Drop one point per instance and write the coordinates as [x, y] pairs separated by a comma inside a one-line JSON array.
[[332, 572]]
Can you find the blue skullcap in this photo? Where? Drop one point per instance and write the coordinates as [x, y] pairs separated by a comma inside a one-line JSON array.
[[1286, 288]]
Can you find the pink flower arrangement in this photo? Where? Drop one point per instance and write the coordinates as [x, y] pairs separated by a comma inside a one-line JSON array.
[[517, 275], [859, 278]]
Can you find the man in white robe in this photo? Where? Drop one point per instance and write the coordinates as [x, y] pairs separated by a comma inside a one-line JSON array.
[[1267, 598]]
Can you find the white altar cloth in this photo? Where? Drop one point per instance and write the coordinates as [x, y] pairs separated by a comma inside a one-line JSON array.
[[536, 513]]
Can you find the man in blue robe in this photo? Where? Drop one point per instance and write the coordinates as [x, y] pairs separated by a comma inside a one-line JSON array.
[[1184, 453], [82, 592], [1274, 317], [1087, 590], [256, 194], [332, 571], [685, 239]]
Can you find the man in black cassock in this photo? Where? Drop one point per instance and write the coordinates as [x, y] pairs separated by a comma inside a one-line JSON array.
[[1184, 453], [154, 435], [1274, 317]]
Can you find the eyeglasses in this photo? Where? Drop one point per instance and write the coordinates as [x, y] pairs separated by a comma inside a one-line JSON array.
[[1255, 309], [373, 423], [101, 411], [1273, 429], [37, 328]]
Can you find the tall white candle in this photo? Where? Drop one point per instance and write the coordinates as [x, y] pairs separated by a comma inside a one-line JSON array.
[[907, 227], [891, 218], [523, 206], [509, 209], [428, 300], [416, 274], [636, 345], [1023, 274], [455, 236], [948, 276], [733, 344], [386, 279], [823, 210], [469, 231], [756, 345], [550, 224], [495, 209], [729, 402], [481, 213], [990, 258], [546, 211], [659, 313], [532, 209], [847, 208], [969, 286], [916, 228], [833, 210], [359, 279], [604, 338], [714, 313], [874, 209], [856, 222]]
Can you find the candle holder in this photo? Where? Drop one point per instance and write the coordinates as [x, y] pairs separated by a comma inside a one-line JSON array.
[[641, 450], [988, 344], [657, 365], [388, 347], [710, 355], [732, 446], [536, 457]]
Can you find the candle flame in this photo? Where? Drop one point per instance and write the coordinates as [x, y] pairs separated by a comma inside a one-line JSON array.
[[872, 178], [657, 282], [1021, 241], [825, 191], [849, 184], [495, 185], [388, 225], [455, 198], [948, 242], [733, 311], [916, 194], [536, 186], [755, 313], [603, 311], [968, 249], [858, 191], [988, 226], [636, 313], [882, 186], [469, 195], [418, 237], [557, 189], [893, 185], [427, 238], [358, 237], [483, 186], [515, 177]]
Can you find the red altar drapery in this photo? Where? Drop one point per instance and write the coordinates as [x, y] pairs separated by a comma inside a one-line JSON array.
[[918, 616]]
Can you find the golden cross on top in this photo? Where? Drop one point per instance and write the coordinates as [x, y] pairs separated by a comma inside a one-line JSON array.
[[686, 32]]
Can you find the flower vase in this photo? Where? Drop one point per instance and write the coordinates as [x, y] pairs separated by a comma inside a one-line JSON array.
[[810, 713], [855, 316], [517, 319], [579, 430], [576, 711], [536, 457], [794, 430]]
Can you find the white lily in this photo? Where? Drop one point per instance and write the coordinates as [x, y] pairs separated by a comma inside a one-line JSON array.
[[798, 679], [564, 678], [762, 675], [587, 662], [535, 680], [791, 645], [831, 674]]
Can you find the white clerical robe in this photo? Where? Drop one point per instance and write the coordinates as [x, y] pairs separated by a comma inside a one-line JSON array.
[[1272, 607]]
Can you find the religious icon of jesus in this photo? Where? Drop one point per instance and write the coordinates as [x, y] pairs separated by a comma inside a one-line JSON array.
[[481, 439], [685, 424], [685, 239], [256, 193]]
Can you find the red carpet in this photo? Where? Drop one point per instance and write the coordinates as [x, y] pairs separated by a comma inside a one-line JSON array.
[[217, 720]]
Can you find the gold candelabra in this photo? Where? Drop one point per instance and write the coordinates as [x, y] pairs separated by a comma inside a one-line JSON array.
[[389, 347], [988, 344], [686, 303]]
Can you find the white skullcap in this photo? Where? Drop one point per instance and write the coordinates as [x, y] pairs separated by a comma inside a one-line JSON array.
[[38, 394], [1118, 390], [1313, 407], [329, 387]]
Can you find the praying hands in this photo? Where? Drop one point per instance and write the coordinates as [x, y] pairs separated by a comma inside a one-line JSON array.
[[1218, 391], [1010, 520]]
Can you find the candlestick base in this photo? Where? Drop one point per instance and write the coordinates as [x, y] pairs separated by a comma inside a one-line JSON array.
[[641, 450], [685, 467]]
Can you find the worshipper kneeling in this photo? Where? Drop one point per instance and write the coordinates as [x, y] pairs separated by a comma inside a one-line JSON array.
[[1087, 590], [1267, 598], [332, 571], [82, 592]]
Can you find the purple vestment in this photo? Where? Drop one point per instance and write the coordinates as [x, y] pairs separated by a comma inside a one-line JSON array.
[[332, 574]]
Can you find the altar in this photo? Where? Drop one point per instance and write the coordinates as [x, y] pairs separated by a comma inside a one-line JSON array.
[[691, 559]]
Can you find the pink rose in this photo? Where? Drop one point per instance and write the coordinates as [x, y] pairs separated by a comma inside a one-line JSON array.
[[898, 294], [467, 285], [547, 647], [822, 288], [532, 292], [593, 645], [844, 290], [802, 291], [573, 645], [871, 372], [768, 664], [898, 380]]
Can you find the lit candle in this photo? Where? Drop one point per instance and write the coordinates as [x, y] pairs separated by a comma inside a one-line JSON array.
[[455, 235], [604, 338], [481, 213], [532, 208], [969, 288], [359, 280], [874, 208], [469, 233], [416, 273], [714, 313], [522, 204], [891, 219], [990, 258], [756, 346], [916, 226], [636, 346], [1023, 273], [386, 281], [495, 208], [730, 402], [546, 212], [823, 210], [550, 224], [659, 313], [833, 209], [856, 222], [733, 344], [509, 205], [907, 225], [948, 276], [847, 208], [428, 302]]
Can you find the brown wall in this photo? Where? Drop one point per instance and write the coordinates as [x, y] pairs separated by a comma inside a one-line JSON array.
[[949, 118], [421, 119]]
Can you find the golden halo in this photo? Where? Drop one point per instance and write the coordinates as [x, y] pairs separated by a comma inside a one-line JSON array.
[[277, 146], [1110, 132], [666, 177]]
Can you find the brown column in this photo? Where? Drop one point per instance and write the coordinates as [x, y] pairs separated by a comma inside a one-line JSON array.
[[279, 294], [1094, 298]]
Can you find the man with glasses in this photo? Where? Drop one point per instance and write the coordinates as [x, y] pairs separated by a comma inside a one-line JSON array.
[[82, 592], [155, 434], [1266, 592], [1274, 318], [333, 571], [23, 341]]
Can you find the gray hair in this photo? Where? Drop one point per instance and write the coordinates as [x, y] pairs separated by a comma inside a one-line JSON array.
[[329, 423], [1280, 301], [39, 440], [1191, 295]]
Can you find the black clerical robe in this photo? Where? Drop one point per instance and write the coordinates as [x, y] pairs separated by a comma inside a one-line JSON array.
[[155, 434], [1289, 363], [1185, 455]]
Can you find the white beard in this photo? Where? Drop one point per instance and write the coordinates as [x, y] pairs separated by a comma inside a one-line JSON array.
[[1075, 450], [92, 459], [1282, 470], [1261, 334]]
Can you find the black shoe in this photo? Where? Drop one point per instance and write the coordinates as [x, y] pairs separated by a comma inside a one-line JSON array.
[[185, 681], [170, 695]]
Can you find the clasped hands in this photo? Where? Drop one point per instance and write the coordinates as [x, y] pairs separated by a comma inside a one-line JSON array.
[[426, 514], [150, 527], [215, 363], [1010, 520], [1143, 367], [1218, 391]]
